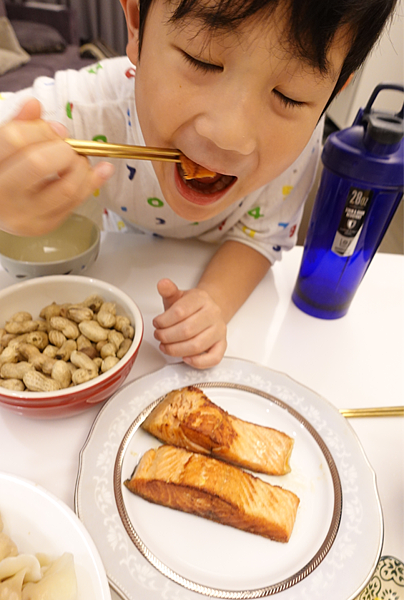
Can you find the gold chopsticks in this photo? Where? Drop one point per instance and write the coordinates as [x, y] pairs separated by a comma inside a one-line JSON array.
[[380, 411], [90, 148]]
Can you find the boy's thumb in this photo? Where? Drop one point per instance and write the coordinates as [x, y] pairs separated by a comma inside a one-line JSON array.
[[169, 292], [30, 111]]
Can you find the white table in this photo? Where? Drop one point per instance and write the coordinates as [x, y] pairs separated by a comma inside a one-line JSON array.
[[356, 361]]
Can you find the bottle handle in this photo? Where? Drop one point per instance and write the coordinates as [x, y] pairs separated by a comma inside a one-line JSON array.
[[384, 86], [362, 115]]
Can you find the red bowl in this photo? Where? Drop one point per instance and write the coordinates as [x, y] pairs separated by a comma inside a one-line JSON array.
[[33, 295]]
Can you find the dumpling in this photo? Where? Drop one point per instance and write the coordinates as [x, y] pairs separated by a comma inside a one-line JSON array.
[[29, 577], [27, 562], [59, 582], [7, 546], [11, 588]]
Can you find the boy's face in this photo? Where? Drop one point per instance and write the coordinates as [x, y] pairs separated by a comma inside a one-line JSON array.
[[239, 104]]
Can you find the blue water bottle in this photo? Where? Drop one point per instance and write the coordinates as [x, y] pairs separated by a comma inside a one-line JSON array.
[[360, 189]]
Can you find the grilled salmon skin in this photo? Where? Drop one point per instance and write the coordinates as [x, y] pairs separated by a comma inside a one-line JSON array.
[[188, 419], [215, 490]]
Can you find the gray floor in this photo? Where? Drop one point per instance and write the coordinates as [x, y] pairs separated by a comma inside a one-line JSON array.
[[393, 241]]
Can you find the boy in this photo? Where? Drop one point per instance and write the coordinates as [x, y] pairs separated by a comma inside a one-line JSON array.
[[239, 88]]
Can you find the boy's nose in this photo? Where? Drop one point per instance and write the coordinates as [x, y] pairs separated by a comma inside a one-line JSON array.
[[228, 122]]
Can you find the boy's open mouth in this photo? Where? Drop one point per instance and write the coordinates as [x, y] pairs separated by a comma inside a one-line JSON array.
[[203, 182]]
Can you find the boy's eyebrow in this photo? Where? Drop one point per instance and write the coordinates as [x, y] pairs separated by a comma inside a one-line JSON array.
[[301, 33], [290, 47]]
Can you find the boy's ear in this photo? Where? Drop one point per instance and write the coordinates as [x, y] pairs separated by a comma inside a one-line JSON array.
[[131, 10], [348, 81]]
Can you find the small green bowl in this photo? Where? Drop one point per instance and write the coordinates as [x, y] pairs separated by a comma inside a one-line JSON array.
[[68, 250]]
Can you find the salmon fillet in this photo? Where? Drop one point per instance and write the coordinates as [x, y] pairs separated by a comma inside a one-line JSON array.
[[194, 171], [212, 489], [188, 419]]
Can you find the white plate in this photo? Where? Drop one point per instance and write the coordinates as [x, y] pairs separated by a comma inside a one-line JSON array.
[[217, 556], [178, 544], [37, 521]]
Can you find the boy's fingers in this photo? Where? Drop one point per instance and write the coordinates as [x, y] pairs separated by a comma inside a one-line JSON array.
[[184, 329], [176, 344], [40, 163], [64, 194], [207, 359], [169, 292], [17, 136], [58, 128], [29, 111], [33, 168], [50, 206]]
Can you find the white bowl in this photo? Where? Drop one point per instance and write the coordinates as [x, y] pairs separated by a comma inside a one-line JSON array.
[[68, 250], [33, 295]]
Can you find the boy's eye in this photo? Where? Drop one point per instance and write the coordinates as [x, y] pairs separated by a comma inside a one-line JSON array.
[[201, 65], [286, 101]]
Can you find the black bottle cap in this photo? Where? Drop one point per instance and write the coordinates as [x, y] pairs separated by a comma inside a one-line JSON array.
[[385, 128]]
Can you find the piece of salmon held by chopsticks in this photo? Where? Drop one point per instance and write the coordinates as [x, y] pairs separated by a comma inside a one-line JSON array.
[[215, 490], [188, 419], [194, 171]]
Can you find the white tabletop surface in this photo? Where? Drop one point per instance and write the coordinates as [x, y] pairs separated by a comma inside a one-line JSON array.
[[356, 361]]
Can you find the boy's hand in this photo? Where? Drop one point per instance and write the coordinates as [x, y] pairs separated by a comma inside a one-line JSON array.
[[42, 179], [191, 327]]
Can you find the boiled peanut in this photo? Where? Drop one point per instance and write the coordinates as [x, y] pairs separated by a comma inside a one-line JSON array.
[[15, 370], [57, 338], [45, 364], [106, 316], [124, 347], [66, 349], [90, 351], [121, 322], [12, 384], [94, 302], [43, 326], [37, 382], [38, 339], [30, 352], [98, 362], [108, 349], [82, 376], [83, 342], [6, 339], [128, 332], [108, 363], [21, 326], [64, 343], [61, 373], [82, 361], [52, 310], [50, 350], [72, 367], [21, 316], [16, 340], [93, 331], [67, 327], [78, 313], [9, 355], [99, 345], [115, 337]]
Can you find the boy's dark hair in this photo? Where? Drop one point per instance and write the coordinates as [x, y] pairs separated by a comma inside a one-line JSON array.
[[312, 24]]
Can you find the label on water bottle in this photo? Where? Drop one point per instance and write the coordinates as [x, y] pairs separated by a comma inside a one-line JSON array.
[[351, 223]]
